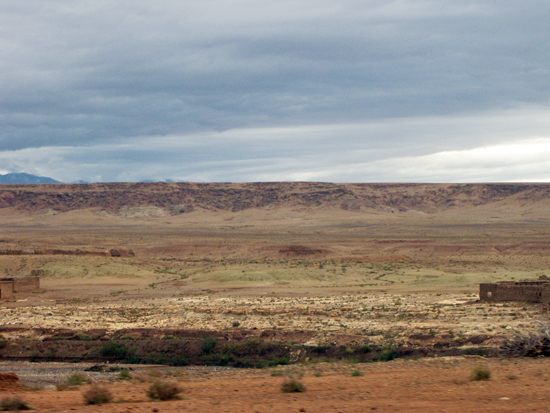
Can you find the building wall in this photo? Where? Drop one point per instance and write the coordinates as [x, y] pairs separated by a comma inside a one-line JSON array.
[[6, 289], [26, 284], [510, 291]]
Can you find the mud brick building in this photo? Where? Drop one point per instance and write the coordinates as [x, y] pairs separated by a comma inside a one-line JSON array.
[[9, 286], [535, 291]]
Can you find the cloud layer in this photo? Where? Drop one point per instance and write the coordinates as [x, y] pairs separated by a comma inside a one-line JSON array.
[[240, 90]]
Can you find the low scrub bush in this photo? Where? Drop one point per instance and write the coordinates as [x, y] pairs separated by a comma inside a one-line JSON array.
[[74, 380], [293, 386], [13, 403], [97, 395], [480, 373], [209, 344], [124, 374], [77, 379], [63, 386], [164, 390], [114, 350]]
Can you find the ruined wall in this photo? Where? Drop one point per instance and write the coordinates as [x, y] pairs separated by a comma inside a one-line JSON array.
[[6, 289], [511, 291], [26, 284]]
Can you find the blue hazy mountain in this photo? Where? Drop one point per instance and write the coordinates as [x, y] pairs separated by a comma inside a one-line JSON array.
[[23, 178]]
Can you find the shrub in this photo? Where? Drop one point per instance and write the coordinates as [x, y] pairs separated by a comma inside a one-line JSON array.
[[3, 341], [13, 403], [480, 373], [209, 344], [63, 386], [164, 390], [388, 355], [124, 374], [111, 349], [357, 373], [293, 386], [97, 395], [77, 379]]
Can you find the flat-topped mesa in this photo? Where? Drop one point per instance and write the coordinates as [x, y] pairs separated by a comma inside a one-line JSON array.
[[535, 291], [9, 286]]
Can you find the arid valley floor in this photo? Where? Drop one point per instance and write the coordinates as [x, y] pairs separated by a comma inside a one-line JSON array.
[[263, 281]]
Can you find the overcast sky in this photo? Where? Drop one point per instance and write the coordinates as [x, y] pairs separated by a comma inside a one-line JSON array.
[[239, 90]]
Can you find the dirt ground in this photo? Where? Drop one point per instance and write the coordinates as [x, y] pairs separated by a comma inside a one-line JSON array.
[[426, 385]]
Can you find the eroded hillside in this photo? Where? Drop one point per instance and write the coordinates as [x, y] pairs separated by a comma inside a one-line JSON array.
[[176, 198]]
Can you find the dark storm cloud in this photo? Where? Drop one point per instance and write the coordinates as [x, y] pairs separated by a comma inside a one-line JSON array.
[[153, 85]]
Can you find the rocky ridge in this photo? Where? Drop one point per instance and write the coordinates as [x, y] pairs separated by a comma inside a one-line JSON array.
[[176, 198]]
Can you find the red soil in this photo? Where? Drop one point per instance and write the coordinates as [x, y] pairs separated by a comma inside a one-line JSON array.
[[428, 385]]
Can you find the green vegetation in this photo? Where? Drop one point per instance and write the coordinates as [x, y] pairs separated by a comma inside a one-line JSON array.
[[77, 379], [124, 374], [164, 390], [97, 395], [293, 386], [209, 344], [116, 351], [14, 403], [480, 373]]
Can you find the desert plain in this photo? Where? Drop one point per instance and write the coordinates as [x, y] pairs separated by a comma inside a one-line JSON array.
[[366, 292]]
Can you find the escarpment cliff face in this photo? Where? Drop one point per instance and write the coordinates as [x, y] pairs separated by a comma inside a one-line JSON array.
[[157, 199]]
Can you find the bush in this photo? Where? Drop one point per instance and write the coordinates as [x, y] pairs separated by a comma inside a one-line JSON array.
[[388, 355], [3, 341], [209, 344], [13, 403], [63, 386], [357, 373], [124, 374], [118, 351], [293, 386], [97, 395], [480, 373], [77, 379], [164, 390]]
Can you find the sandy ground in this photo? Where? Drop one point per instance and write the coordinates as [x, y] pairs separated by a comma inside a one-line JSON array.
[[427, 385]]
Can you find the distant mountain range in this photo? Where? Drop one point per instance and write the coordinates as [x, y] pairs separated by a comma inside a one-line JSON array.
[[23, 178]]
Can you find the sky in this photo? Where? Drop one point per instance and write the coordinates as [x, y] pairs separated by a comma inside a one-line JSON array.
[[286, 90]]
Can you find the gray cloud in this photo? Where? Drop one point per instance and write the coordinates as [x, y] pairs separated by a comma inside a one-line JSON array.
[[515, 147], [226, 85]]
